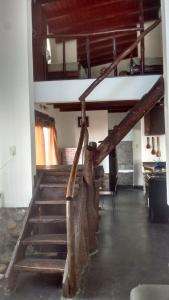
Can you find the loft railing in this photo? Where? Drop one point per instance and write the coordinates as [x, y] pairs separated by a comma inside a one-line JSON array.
[[41, 41], [118, 60]]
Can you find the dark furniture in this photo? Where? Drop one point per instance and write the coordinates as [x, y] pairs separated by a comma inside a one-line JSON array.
[[154, 123], [157, 193], [113, 175]]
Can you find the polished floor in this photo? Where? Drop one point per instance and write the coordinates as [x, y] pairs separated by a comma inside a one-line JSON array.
[[131, 251]]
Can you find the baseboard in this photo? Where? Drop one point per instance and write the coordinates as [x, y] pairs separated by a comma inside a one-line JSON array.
[[138, 187], [129, 186]]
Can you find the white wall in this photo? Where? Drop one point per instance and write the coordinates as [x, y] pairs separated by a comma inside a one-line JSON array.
[[119, 88], [115, 119], [57, 51], [153, 42], [16, 102]]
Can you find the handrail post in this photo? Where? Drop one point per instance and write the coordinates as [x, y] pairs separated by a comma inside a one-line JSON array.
[[88, 57], [114, 54], [89, 177], [64, 58], [142, 44], [69, 280]]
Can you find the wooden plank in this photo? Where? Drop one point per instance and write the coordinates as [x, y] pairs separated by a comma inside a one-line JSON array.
[[56, 185], [47, 219], [50, 202], [42, 239], [41, 265], [113, 105], [136, 113], [115, 53], [88, 57], [142, 46]]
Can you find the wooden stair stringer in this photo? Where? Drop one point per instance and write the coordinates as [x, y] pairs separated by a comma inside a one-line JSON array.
[[45, 214], [19, 250]]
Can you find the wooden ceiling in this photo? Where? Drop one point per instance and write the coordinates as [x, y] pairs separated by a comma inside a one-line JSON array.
[[88, 16]]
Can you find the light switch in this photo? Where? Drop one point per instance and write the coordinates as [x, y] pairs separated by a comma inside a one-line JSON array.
[[12, 150]]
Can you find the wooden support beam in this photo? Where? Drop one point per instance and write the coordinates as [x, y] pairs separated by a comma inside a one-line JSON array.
[[64, 58], [113, 106], [114, 54], [39, 55], [88, 56], [136, 113], [142, 44]]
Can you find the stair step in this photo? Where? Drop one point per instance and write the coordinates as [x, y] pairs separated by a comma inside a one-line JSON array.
[[55, 185], [62, 173], [47, 219], [50, 202], [42, 239], [41, 265]]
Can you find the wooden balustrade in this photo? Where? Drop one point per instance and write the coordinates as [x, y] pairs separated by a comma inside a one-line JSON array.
[[117, 61]]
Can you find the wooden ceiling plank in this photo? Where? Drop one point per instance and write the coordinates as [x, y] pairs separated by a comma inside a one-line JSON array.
[[81, 8], [81, 21], [106, 23]]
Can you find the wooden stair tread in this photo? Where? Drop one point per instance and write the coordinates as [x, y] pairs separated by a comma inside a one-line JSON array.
[[56, 239], [50, 202], [62, 173], [56, 185], [41, 265], [47, 219]]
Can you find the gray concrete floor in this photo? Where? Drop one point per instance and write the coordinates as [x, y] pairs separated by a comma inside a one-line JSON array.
[[131, 251]]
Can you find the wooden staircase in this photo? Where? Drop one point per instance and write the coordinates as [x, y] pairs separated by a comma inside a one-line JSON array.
[[42, 245], [59, 231]]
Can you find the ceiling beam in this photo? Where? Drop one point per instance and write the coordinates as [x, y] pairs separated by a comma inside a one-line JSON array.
[[44, 2], [115, 105]]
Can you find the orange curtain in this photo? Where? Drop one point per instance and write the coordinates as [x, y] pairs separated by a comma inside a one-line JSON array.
[[53, 152], [40, 145]]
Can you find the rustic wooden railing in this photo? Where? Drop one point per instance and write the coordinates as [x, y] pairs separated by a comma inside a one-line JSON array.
[[82, 218], [117, 61], [86, 45]]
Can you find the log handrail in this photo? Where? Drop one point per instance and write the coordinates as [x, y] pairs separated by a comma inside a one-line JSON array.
[[117, 61], [73, 172]]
